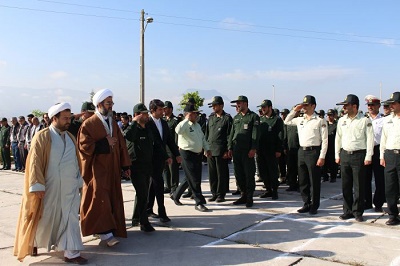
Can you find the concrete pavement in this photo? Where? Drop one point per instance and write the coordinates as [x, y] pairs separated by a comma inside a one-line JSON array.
[[270, 233]]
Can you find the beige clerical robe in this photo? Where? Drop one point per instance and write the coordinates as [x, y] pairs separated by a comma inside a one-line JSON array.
[[102, 207], [31, 206]]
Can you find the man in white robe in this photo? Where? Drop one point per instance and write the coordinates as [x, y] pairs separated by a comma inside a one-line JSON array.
[[50, 206]]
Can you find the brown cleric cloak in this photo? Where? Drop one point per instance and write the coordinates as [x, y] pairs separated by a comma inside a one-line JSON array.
[[102, 207], [31, 206]]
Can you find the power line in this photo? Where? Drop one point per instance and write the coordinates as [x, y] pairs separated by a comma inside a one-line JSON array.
[[195, 26], [269, 33], [224, 22], [66, 13], [96, 7]]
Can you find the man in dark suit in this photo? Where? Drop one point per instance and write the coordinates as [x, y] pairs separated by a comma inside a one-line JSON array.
[[161, 134]]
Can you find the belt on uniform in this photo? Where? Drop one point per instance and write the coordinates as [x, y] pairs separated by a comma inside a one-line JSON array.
[[310, 148], [354, 152], [395, 151]]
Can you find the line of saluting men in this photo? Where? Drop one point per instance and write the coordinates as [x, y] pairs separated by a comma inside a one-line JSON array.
[[59, 168]]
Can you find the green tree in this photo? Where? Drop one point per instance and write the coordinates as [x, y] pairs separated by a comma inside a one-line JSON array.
[[38, 113], [197, 99]]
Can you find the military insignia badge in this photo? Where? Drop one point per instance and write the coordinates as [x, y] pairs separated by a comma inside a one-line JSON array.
[[305, 100], [369, 125]]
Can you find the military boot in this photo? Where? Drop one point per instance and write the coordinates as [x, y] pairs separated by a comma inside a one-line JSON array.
[[249, 200]]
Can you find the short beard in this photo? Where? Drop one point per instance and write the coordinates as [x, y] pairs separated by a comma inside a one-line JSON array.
[[105, 112]]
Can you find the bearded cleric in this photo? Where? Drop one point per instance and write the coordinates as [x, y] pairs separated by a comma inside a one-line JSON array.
[[104, 155], [50, 204]]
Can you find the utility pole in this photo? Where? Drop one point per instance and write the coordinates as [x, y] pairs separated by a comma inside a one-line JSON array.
[[142, 30], [142, 57]]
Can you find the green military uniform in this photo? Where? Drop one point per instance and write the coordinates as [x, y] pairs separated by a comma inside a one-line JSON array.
[[271, 136], [76, 123], [217, 134], [5, 146], [243, 138], [74, 126], [171, 172]]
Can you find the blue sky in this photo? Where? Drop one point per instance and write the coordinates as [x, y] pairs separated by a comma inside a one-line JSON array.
[[324, 48]]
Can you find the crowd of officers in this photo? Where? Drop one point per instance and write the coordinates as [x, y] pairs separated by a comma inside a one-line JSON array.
[[299, 146]]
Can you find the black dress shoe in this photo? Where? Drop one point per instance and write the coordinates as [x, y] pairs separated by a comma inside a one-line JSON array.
[[220, 199], [378, 209], [152, 215], [346, 216], [393, 221], [147, 228], [312, 211], [176, 201], [187, 195], [213, 198], [165, 219], [135, 222], [237, 192], [304, 209], [78, 260], [241, 200], [167, 190], [266, 194], [201, 208], [249, 203], [359, 219]]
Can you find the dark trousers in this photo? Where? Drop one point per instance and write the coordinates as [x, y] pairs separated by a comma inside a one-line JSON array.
[[15, 151], [352, 169], [245, 169], [292, 167], [268, 169], [282, 165], [140, 177], [378, 170], [218, 173], [392, 181], [192, 166], [330, 164], [156, 189], [171, 174], [309, 177], [23, 153], [6, 157]]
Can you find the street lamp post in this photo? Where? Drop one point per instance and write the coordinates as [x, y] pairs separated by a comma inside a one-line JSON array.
[[142, 30]]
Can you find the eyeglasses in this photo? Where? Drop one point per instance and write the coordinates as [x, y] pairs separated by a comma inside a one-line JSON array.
[[109, 103]]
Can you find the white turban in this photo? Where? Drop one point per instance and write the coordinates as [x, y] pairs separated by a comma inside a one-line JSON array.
[[55, 109], [101, 95]]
